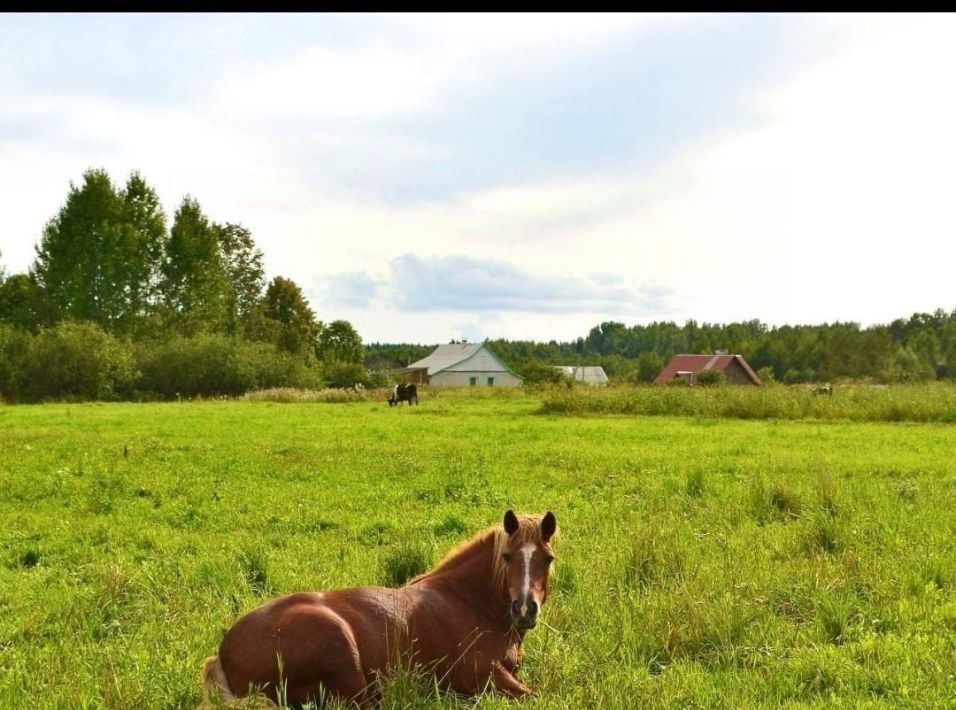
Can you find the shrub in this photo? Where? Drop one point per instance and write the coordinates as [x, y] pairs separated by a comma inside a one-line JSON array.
[[380, 378], [345, 374], [793, 376], [210, 365], [649, 364], [711, 377], [14, 349], [536, 372], [76, 361]]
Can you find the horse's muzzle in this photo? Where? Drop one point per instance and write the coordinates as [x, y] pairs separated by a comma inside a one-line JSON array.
[[524, 613]]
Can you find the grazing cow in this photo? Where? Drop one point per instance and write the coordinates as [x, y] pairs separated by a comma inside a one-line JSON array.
[[403, 393], [825, 389]]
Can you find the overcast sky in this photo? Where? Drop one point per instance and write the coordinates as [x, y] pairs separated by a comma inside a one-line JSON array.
[[438, 177]]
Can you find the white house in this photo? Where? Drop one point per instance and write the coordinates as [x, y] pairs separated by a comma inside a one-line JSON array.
[[461, 365]]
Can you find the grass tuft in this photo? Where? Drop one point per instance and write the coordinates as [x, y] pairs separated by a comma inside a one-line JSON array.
[[252, 564], [405, 562]]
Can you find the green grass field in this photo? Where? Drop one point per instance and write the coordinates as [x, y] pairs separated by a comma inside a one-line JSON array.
[[704, 562]]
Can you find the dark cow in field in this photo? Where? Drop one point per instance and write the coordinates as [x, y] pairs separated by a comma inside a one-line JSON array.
[[403, 393]]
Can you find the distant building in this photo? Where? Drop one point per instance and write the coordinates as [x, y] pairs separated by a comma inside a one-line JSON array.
[[588, 374], [734, 367], [461, 365]]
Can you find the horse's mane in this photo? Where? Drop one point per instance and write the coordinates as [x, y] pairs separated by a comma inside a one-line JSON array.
[[529, 531]]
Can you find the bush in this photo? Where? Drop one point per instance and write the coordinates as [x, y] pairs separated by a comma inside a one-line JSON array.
[[711, 377], [794, 376], [380, 378], [536, 372], [649, 365], [14, 351], [76, 361], [211, 365], [345, 374]]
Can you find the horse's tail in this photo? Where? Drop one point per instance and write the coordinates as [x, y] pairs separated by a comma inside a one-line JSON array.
[[215, 686], [216, 692]]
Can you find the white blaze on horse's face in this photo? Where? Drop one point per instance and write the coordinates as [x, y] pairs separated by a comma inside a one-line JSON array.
[[527, 552]]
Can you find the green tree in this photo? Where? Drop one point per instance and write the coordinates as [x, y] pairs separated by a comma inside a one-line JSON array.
[[23, 303], [294, 325], [99, 258], [195, 287], [242, 262], [649, 366], [926, 346], [339, 342], [947, 343], [906, 366], [74, 261], [143, 225]]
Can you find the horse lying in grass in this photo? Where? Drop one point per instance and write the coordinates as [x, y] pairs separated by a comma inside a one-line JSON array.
[[464, 620]]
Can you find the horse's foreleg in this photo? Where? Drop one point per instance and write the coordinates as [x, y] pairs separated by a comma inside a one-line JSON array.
[[506, 683]]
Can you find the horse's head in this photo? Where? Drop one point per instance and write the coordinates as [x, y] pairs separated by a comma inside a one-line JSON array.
[[527, 558]]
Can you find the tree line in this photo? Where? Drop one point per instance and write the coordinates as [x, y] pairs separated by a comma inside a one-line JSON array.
[[119, 303], [922, 347]]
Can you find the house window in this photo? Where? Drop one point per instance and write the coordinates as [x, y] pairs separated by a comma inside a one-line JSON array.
[[491, 381], [472, 381]]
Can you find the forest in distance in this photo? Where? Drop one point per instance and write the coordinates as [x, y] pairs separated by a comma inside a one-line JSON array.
[[119, 304]]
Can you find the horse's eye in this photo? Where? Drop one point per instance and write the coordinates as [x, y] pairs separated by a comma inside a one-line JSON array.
[[549, 559], [506, 557]]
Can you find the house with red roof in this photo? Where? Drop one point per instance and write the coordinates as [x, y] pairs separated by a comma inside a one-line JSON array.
[[688, 367]]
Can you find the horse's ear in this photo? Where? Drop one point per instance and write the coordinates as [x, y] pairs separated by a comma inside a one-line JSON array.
[[548, 526], [511, 522]]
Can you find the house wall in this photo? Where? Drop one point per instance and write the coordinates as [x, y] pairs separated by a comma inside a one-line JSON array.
[[460, 378], [418, 377], [736, 374]]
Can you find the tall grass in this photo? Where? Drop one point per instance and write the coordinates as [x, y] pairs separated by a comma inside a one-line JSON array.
[[288, 395], [702, 563], [935, 402]]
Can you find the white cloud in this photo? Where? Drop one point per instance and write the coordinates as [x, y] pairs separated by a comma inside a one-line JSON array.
[[463, 284], [834, 205]]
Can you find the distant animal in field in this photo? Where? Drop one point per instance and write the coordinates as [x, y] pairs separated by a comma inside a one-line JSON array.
[[464, 620], [824, 389], [403, 393]]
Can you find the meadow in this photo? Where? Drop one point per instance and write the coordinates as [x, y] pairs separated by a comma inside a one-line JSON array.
[[705, 561]]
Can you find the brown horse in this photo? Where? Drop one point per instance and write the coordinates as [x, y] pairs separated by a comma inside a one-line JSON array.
[[464, 620]]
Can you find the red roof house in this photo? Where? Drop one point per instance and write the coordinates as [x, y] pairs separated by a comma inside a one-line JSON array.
[[734, 367]]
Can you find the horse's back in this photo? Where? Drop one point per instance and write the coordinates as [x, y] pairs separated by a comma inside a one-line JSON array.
[[297, 642], [328, 638]]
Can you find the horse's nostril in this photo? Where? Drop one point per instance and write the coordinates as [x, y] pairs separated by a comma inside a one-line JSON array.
[[532, 608]]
